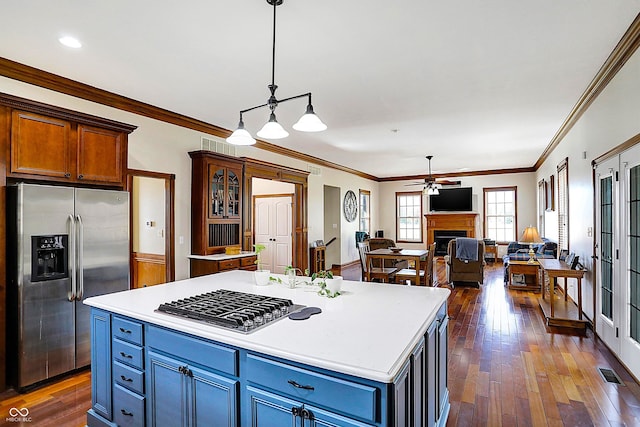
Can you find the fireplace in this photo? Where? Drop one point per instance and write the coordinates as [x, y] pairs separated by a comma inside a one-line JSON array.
[[442, 237], [450, 225]]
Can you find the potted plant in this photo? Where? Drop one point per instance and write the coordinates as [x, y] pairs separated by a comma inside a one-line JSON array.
[[261, 275], [329, 284]]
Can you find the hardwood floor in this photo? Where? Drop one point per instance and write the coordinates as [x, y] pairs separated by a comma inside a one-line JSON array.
[[505, 369], [61, 404]]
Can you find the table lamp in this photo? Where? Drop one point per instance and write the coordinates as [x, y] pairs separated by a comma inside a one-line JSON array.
[[531, 236]]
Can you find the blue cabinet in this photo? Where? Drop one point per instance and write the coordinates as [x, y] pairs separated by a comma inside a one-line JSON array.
[[272, 410], [146, 375], [100, 364], [184, 395]]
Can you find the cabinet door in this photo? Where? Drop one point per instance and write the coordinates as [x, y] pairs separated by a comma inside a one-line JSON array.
[[402, 398], [100, 155], [418, 381], [213, 399], [431, 386], [40, 145], [167, 387], [443, 342], [270, 410], [234, 180], [101, 362]]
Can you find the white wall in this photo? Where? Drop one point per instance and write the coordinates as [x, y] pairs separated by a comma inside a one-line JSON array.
[[526, 193], [148, 207], [162, 147], [261, 186], [612, 119]]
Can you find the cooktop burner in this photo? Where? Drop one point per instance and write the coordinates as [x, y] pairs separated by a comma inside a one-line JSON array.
[[234, 310]]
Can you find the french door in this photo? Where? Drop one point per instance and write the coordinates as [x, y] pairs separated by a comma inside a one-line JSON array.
[[630, 254], [608, 293], [618, 256]]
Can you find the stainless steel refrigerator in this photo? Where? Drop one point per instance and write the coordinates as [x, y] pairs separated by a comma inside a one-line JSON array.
[[65, 244]]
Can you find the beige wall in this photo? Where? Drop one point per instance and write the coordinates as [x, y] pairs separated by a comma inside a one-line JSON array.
[[526, 192], [612, 119]]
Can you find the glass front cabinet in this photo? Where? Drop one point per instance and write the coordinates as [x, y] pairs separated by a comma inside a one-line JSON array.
[[216, 202]]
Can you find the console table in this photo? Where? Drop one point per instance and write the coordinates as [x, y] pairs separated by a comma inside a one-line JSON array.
[[560, 311]]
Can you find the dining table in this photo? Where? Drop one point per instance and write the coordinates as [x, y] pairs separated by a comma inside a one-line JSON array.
[[415, 255]]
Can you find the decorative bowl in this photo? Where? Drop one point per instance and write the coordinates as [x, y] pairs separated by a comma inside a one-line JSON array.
[[395, 250]]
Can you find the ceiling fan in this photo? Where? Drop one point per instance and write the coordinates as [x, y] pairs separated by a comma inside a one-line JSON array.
[[430, 184]]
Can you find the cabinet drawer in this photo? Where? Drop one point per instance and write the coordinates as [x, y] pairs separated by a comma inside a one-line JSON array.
[[127, 330], [128, 408], [128, 354], [247, 261], [194, 350], [349, 398], [228, 264], [128, 377]]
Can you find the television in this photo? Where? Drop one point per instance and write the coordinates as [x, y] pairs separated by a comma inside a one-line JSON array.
[[452, 200]]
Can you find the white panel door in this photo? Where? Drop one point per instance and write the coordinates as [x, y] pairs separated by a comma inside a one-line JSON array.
[[273, 228], [608, 293]]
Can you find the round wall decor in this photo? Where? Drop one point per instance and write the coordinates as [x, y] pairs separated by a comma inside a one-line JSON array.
[[350, 206]]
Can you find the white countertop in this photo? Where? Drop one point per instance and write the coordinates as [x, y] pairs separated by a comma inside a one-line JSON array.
[[368, 331], [222, 257]]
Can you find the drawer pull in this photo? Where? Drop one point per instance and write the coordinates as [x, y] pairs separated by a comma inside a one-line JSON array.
[[126, 379], [296, 385], [127, 413], [125, 331], [128, 356]]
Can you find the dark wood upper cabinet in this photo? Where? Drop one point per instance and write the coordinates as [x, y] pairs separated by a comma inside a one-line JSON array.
[[40, 145], [101, 155], [216, 202], [49, 143]]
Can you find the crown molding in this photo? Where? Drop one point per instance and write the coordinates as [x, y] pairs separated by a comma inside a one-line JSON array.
[[625, 48], [27, 74], [459, 174]]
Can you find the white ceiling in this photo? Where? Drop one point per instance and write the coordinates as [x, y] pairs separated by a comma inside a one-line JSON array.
[[478, 84]]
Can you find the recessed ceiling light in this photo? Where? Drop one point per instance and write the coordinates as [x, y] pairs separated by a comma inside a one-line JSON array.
[[70, 42]]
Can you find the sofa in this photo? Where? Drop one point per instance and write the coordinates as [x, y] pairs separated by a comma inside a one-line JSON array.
[[520, 252]]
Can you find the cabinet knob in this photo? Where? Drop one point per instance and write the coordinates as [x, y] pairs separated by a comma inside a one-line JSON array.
[[128, 356], [80, 176], [67, 175], [127, 413]]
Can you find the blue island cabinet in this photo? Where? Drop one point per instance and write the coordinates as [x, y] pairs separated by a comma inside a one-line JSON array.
[[147, 375]]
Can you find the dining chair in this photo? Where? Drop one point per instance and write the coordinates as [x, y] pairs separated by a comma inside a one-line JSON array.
[[426, 270], [384, 274]]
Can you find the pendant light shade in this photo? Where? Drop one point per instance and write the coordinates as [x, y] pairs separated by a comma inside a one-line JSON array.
[[309, 122], [241, 136], [272, 129]]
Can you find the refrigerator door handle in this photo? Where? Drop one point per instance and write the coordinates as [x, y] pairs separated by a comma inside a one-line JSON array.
[[80, 260], [71, 296]]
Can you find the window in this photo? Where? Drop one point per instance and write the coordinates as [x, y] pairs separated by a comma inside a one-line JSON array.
[[563, 204], [409, 217], [365, 213], [542, 205], [500, 220]]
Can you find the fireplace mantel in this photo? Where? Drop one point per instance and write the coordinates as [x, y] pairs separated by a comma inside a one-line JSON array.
[[451, 221]]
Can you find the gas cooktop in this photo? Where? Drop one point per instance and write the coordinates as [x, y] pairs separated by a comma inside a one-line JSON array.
[[238, 311]]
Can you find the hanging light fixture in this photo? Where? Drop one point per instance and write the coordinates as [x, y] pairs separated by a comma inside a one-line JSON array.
[[309, 122]]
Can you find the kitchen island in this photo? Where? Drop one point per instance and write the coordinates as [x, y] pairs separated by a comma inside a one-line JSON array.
[[375, 356]]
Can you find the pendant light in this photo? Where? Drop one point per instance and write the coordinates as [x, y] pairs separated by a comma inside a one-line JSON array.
[[309, 122]]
